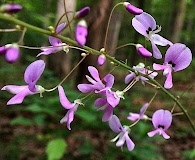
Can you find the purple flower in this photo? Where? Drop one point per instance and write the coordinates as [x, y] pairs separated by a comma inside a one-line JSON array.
[[31, 76], [11, 52], [56, 43], [10, 8], [140, 68], [132, 9], [143, 51], [122, 131], [81, 32], [145, 24], [140, 115], [96, 83], [161, 120], [72, 107], [82, 13], [177, 57], [99, 87]]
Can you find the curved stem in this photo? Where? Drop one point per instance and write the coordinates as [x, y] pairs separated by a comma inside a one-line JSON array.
[[50, 90], [93, 51], [106, 37]]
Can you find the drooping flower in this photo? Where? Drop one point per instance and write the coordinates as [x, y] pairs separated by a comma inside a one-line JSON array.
[[104, 105], [145, 24], [132, 9], [140, 68], [56, 43], [81, 32], [10, 8], [177, 57], [71, 107], [122, 131], [31, 76], [161, 120], [11, 52], [82, 13], [143, 51], [140, 115]]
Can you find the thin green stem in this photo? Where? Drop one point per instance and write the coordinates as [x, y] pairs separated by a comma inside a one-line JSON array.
[[93, 51], [49, 90], [106, 37]]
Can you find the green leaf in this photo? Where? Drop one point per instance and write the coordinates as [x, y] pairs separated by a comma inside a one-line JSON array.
[[86, 115], [55, 149], [21, 121]]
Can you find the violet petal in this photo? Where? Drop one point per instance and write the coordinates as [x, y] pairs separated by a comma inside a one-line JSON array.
[[33, 73]]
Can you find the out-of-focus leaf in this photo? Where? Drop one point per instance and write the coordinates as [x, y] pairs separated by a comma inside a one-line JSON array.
[[55, 149], [21, 121], [86, 115]]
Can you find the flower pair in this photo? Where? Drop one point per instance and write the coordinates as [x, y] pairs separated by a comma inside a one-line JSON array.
[[111, 98]]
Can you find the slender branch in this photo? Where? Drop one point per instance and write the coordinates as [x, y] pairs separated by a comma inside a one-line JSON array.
[[93, 51]]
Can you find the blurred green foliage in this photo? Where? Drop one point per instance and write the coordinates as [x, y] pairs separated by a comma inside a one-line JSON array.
[[43, 114]]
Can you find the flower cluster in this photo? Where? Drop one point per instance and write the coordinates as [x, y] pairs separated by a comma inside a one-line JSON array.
[[176, 58]]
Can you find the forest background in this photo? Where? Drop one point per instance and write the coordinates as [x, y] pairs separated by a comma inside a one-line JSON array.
[[32, 130]]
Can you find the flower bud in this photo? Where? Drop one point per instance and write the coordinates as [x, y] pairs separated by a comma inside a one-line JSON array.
[[2, 50], [143, 51], [81, 32], [82, 13], [132, 9], [101, 59], [10, 8], [12, 53]]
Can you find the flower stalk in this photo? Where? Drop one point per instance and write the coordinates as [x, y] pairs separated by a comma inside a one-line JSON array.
[[9, 18]]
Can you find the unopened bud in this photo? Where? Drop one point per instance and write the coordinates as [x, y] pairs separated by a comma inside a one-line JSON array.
[[51, 29], [132, 9], [81, 32], [82, 13], [101, 59], [12, 53], [103, 50], [10, 8], [83, 54], [143, 51]]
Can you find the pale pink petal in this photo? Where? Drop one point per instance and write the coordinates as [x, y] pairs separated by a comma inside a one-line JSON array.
[[63, 99], [115, 124], [18, 98], [129, 142]]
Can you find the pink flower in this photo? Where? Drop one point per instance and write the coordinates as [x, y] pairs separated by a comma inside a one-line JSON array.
[[140, 115], [140, 68], [177, 57], [56, 43], [122, 131], [145, 24], [31, 76], [161, 120], [71, 107]]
